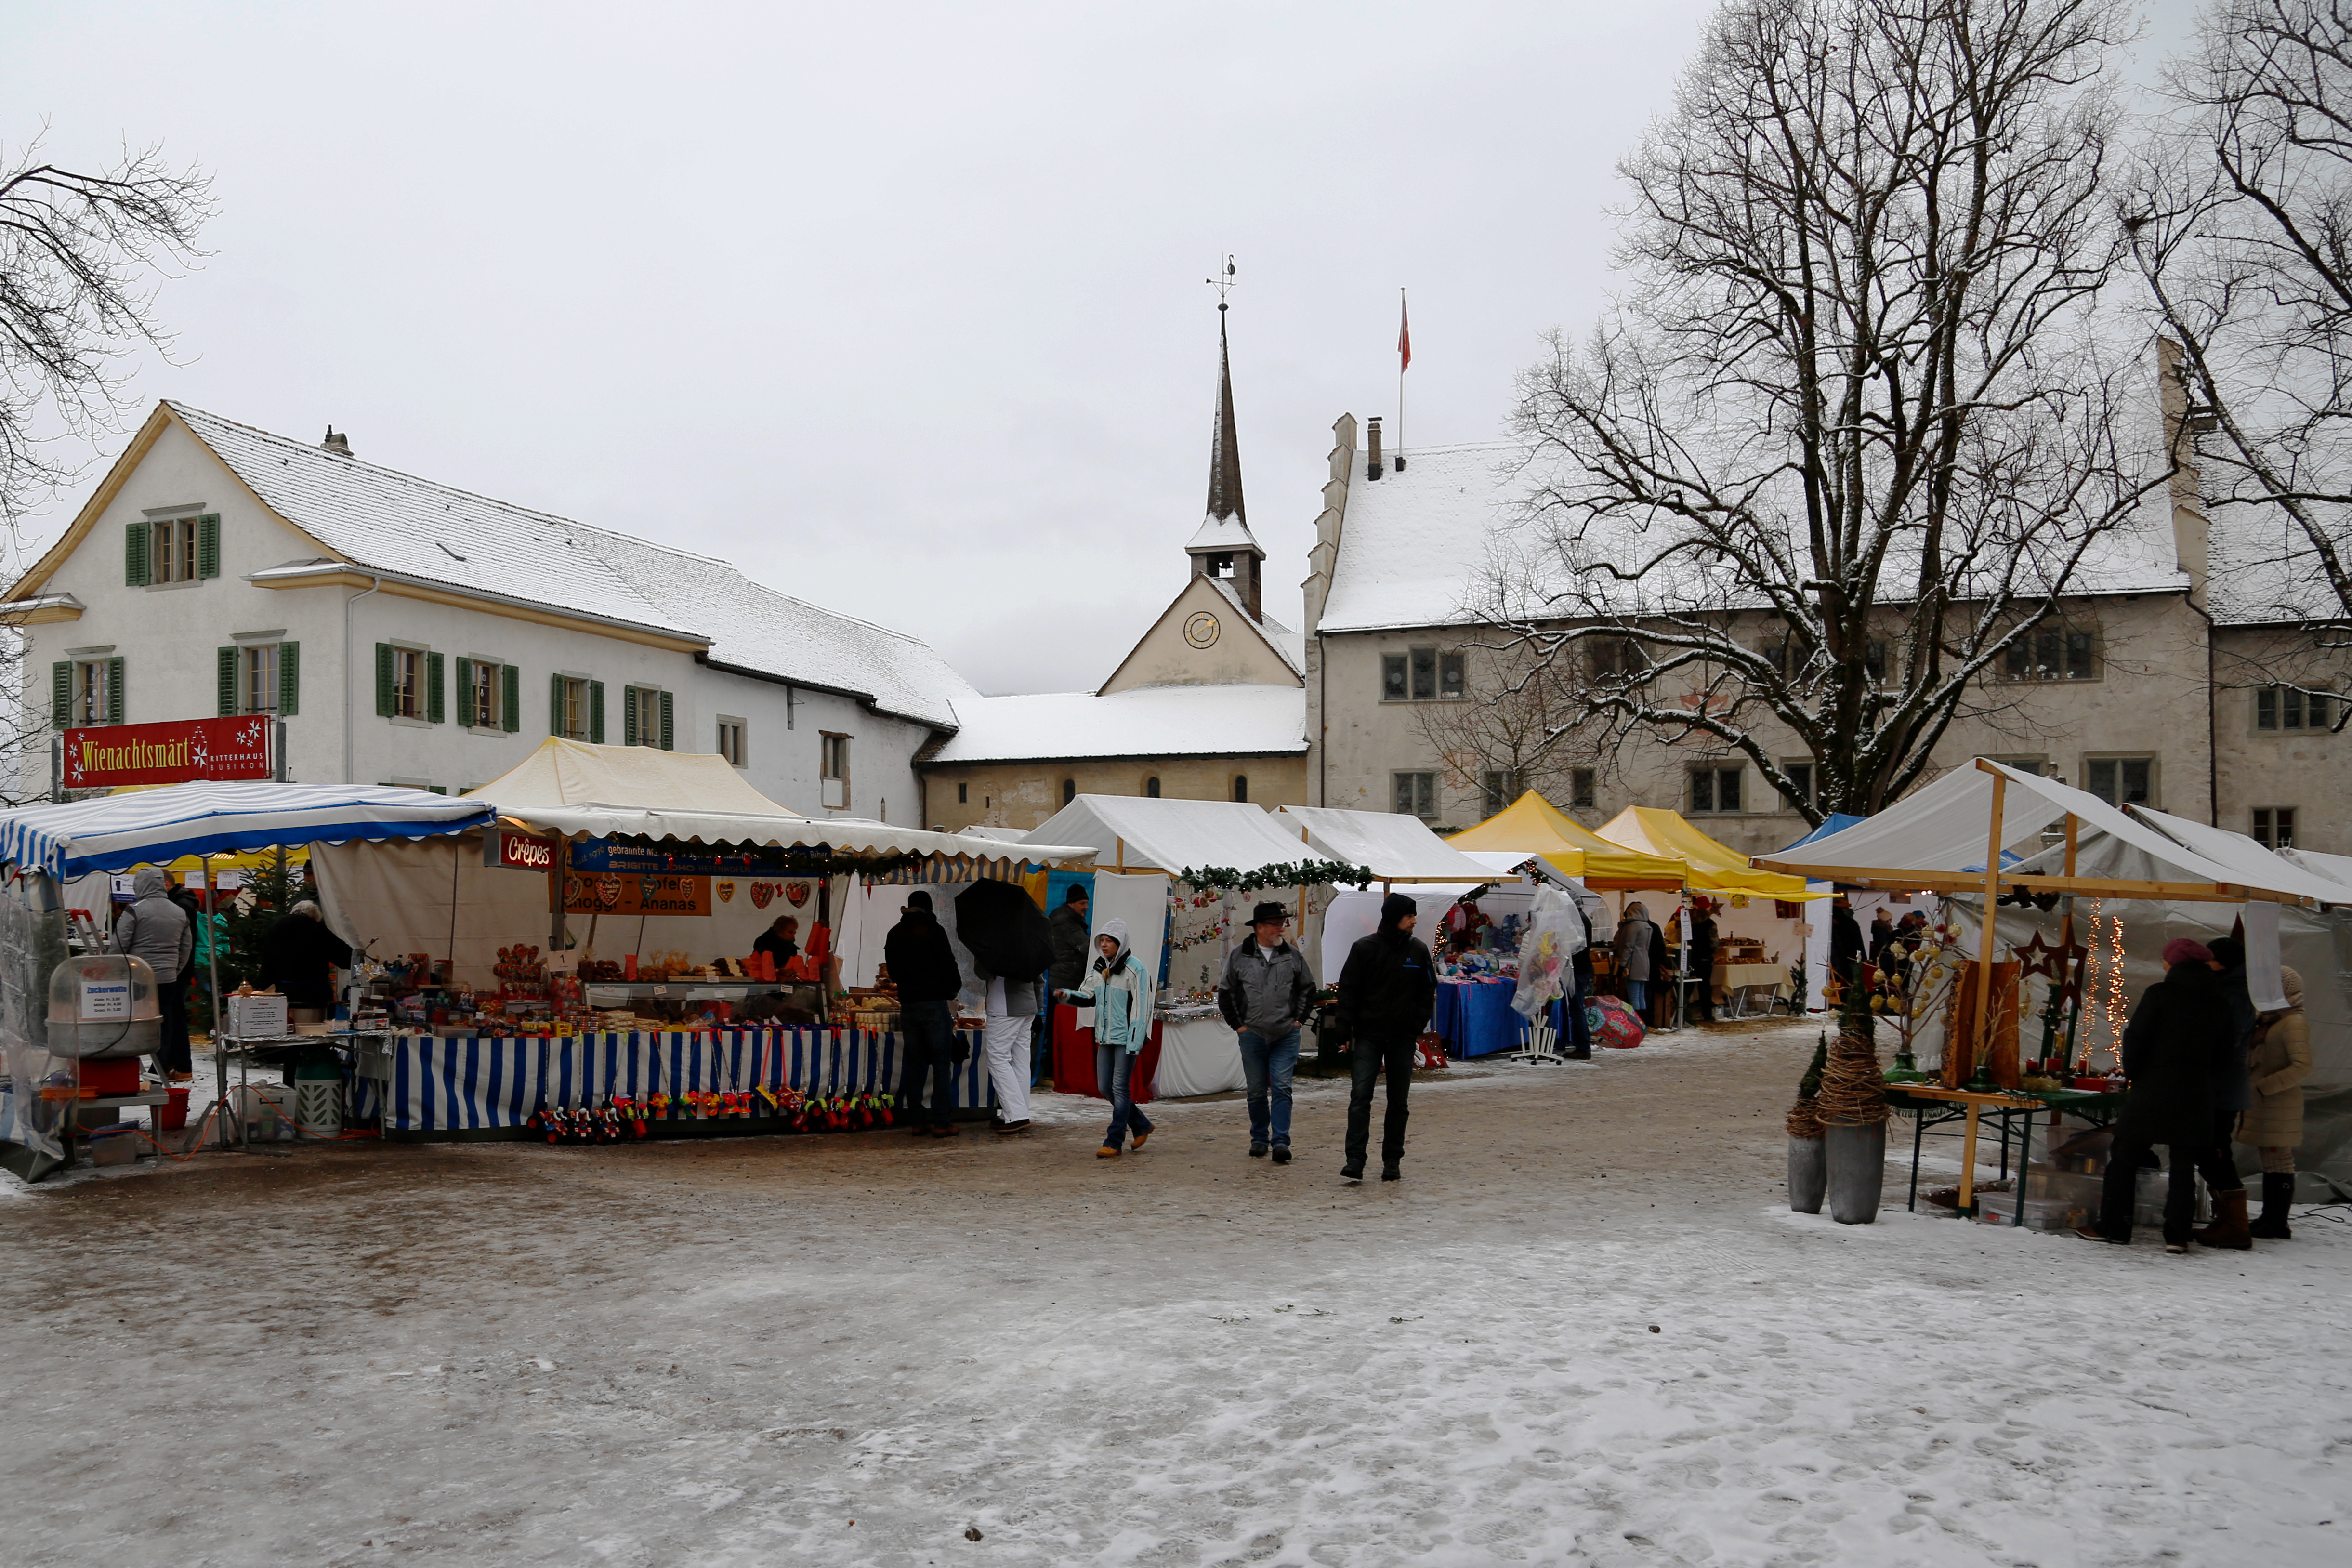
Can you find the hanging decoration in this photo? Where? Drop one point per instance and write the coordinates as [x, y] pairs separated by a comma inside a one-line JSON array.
[[2115, 1007], [1293, 874]]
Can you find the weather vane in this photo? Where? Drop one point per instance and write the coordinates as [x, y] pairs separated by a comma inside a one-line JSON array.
[[1224, 284]]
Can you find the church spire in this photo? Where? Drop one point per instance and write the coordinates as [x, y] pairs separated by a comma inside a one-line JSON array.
[[1224, 548], [1224, 447]]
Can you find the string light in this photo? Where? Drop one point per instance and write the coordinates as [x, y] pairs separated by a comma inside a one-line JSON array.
[[2114, 989]]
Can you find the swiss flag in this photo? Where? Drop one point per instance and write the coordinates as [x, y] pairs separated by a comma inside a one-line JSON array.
[[1404, 335]]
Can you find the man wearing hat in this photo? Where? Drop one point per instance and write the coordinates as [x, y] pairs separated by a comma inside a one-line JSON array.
[[1266, 992]]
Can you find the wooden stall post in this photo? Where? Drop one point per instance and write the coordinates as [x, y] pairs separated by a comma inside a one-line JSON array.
[[1983, 978]]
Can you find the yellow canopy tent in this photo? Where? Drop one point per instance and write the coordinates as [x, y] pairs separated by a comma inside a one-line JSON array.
[[1714, 867], [1533, 826]]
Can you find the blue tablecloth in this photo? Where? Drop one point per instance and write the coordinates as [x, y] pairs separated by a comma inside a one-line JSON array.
[[1475, 1017]]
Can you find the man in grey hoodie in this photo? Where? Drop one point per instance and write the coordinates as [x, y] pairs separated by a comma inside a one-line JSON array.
[[159, 930], [1265, 993]]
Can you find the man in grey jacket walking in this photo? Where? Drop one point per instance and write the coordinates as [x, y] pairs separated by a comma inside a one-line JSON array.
[[1266, 992]]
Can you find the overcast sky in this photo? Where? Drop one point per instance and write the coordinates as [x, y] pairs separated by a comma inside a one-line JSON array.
[[902, 308]]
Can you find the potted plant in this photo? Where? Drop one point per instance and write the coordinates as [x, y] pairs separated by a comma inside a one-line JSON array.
[[1808, 1168]]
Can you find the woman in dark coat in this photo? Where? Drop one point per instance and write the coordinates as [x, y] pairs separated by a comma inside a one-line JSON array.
[[2178, 1051], [1846, 950]]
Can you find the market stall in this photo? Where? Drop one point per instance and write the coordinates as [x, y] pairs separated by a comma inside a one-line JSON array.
[[1143, 848], [597, 944], [1762, 927], [2116, 884], [50, 1096]]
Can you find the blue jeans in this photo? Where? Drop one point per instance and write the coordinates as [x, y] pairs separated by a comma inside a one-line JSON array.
[[1115, 1072], [927, 1036], [1268, 1062]]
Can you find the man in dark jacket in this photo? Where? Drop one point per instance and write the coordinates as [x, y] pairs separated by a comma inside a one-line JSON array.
[[1386, 990], [923, 968], [1846, 952], [1068, 929], [1579, 1026], [2232, 1224], [2175, 1050], [1701, 957], [1265, 993], [297, 954]]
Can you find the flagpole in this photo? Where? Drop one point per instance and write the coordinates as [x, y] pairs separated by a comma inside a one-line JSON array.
[[1403, 359]]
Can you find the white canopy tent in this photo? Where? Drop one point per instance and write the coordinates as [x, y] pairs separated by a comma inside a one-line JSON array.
[[1134, 833], [1396, 847], [1949, 836]]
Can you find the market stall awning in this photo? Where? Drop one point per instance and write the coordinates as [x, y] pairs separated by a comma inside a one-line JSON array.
[[1714, 866], [1533, 826], [157, 826], [583, 791], [2335, 868], [1399, 848], [575, 773], [1134, 833], [1835, 822], [2249, 862], [1929, 839]]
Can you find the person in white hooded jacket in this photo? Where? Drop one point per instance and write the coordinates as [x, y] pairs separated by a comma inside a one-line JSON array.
[[1121, 998]]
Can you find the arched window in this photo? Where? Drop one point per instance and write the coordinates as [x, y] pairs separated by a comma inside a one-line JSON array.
[[1151, 786], [1241, 786], [1069, 791]]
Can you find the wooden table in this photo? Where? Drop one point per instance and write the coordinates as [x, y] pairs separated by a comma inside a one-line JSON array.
[[1974, 1103]]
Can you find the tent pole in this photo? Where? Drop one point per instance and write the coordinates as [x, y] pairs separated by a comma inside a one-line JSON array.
[[1120, 847], [1984, 945], [2066, 933], [220, 1004]]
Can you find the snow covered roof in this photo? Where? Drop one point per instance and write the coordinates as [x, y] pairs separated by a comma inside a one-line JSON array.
[[1142, 722], [1223, 533], [1413, 545], [1424, 546], [1393, 845], [385, 521]]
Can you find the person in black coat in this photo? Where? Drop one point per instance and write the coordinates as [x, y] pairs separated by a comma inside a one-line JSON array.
[[1387, 988], [2175, 1053], [1846, 950], [923, 967], [297, 954], [1701, 953]]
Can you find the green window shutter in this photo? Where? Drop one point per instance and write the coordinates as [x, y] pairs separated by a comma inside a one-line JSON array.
[[61, 693], [436, 694], [208, 545], [289, 679], [134, 555], [669, 730], [384, 695], [510, 698], [629, 716], [596, 713], [114, 691], [465, 689], [227, 659], [555, 705]]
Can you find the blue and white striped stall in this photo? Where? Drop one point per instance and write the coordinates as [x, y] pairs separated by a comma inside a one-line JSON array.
[[488, 1083]]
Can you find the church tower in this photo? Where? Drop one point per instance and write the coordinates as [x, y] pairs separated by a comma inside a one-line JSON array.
[[1222, 547]]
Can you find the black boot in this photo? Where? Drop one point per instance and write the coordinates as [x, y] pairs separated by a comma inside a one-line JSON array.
[[2278, 1192]]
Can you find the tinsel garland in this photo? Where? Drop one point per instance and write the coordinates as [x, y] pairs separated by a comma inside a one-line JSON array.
[[1296, 874]]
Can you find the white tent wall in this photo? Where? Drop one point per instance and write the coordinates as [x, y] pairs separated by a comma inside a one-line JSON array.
[[410, 896], [1814, 932], [1142, 902], [396, 897], [1355, 913]]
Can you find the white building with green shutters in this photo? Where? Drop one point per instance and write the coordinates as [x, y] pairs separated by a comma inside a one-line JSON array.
[[412, 633]]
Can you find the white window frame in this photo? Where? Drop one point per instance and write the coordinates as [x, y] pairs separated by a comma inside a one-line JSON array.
[[182, 535], [833, 769], [89, 692], [257, 670], [740, 756]]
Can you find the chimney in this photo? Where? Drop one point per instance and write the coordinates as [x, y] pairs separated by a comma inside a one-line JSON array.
[[1372, 468], [341, 446]]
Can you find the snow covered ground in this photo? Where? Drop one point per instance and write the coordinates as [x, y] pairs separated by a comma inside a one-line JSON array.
[[1583, 1330]]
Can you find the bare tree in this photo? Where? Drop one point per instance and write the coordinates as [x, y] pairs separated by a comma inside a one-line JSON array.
[[1857, 425], [2242, 226], [80, 255], [1508, 725]]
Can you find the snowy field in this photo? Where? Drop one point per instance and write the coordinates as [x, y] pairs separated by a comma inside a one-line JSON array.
[[1583, 1330]]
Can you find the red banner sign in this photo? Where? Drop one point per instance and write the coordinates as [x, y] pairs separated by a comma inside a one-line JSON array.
[[178, 751], [517, 851]]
